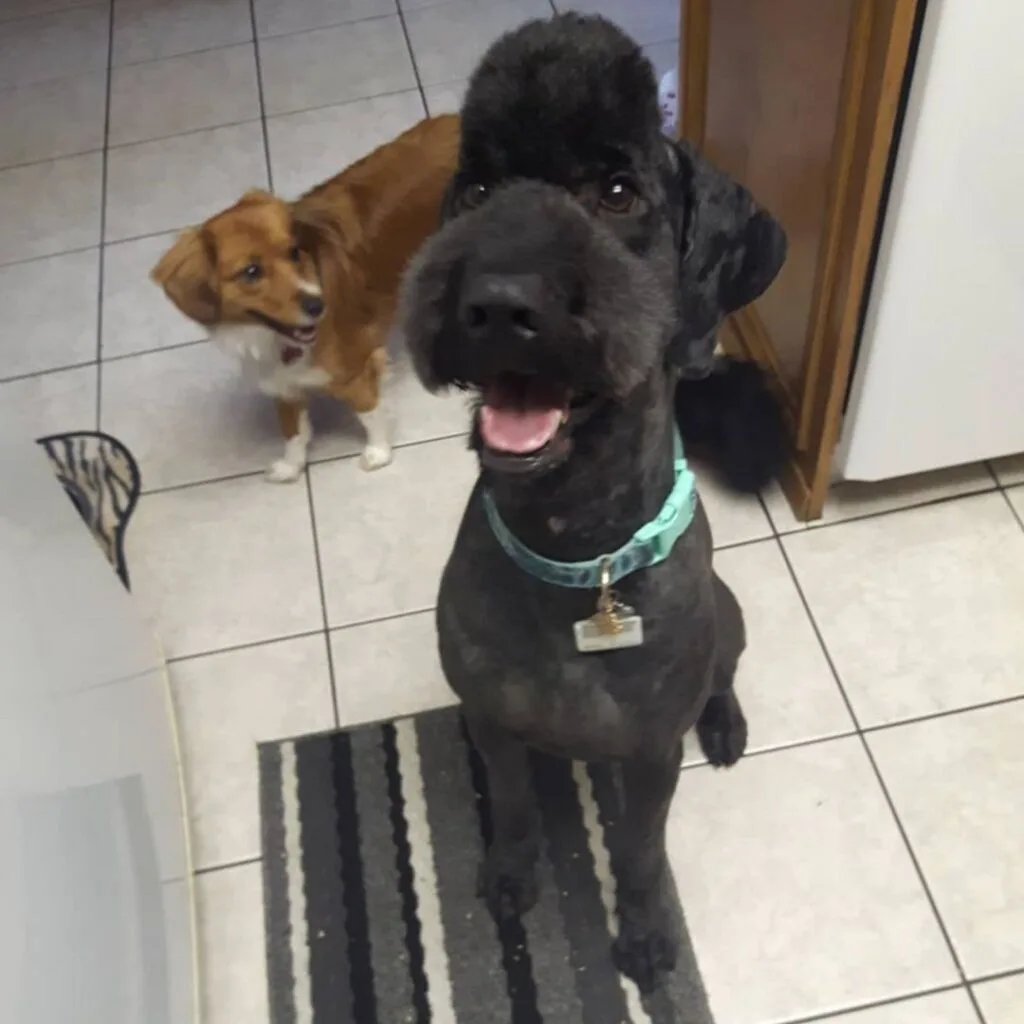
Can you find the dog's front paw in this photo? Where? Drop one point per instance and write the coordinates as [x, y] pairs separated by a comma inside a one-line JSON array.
[[375, 456], [722, 730], [643, 954], [282, 471], [508, 892]]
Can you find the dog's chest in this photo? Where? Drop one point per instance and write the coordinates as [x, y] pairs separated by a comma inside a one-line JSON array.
[[509, 651], [259, 353], [524, 671]]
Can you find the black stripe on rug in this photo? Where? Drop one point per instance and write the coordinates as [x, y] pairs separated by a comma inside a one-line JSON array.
[[323, 889], [357, 924], [372, 840]]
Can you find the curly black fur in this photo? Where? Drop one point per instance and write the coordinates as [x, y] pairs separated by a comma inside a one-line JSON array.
[[733, 418], [541, 275]]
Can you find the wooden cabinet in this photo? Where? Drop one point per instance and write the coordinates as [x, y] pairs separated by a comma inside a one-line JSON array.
[[798, 99]]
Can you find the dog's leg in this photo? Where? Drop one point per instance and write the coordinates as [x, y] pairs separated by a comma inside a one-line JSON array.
[[294, 419], [646, 945], [371, 406], [377, 424], [722, 727], [508, 881]]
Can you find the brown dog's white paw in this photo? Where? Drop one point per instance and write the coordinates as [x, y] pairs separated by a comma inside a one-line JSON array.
[[284, 471], [375, 456]]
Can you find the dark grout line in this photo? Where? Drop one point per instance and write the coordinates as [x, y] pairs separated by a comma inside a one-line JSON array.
[[326, 630], [866, 747], [50, 255], [248, 645], [749, 542], [1012, 972], [181, 56], [932, 716], [333, 24], [260, 96], [779, 748], [46, 373], [882, 513], [51, 160], [343, 103], [323, 461], [377, 619], [831, 1015], [187, 53], [323, 597], [24, 16], [122, 356], [118, 358], [180, 135], [920, 874], [866, 731], [263, 116], [214, 868], [412, 58], [192, 484], [1005, 491], [257, 37], [101, 257], [143, 236]]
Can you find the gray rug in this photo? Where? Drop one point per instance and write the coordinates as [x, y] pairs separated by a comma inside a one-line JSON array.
[[371, 842]]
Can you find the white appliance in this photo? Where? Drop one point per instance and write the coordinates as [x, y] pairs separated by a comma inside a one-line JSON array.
[[939, 379], [95, 901]]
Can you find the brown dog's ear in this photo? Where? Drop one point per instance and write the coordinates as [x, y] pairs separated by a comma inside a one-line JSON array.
[[185, 272], [730, 251]]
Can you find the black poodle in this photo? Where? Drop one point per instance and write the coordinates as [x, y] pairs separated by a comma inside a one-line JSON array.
[[584, 262]]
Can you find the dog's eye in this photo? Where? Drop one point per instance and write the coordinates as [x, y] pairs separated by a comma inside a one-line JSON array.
[[295, 254], [472, 196], [619, 194], [251, 272]]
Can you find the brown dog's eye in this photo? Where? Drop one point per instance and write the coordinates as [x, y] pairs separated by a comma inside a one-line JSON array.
[[251, 272], [619, 194], [472, 196], [295, 254]]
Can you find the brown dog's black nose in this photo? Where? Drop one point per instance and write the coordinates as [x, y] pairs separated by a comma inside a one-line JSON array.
[[312, 305], [510, 305]]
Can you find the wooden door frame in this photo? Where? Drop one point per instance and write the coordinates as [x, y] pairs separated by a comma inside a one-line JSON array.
[[877, 56]]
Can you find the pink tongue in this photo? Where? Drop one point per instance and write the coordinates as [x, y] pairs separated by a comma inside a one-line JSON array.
[[518, 431]]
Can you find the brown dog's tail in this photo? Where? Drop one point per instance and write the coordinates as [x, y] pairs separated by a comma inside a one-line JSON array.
[[733, 418]]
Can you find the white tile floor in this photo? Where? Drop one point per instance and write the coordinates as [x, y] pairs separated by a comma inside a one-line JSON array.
[[866, 861]]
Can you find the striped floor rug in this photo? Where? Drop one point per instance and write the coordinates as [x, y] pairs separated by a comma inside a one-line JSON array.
[[371, 844]]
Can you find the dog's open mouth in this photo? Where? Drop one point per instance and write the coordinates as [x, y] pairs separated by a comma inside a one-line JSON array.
[[301, 334], [519, 414], [524, 421]]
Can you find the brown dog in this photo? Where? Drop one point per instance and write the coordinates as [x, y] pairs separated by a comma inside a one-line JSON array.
[[304, 293]]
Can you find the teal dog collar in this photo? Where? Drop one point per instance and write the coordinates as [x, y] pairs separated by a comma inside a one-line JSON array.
[[651, 544]]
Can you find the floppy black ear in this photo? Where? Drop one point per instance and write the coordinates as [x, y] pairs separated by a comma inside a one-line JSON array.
[[730, 251]]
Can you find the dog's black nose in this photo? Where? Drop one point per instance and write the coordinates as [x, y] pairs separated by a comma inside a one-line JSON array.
[[507, 304], [312, 305]]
